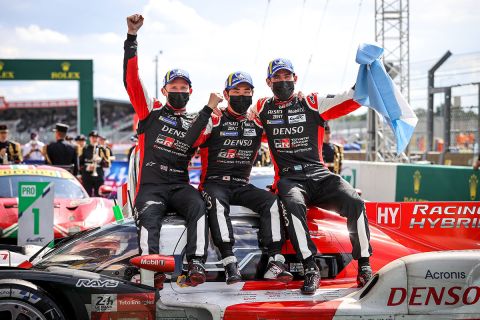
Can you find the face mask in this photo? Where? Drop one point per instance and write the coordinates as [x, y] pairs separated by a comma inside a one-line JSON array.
[[240, 104], [283, 90], [178, 100]]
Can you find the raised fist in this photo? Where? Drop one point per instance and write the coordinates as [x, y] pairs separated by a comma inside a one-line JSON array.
[[215, 99], [218, 111], [134, 23], [300, 95], [251, 113]]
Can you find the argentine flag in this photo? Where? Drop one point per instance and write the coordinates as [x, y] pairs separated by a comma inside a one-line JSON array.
[[375, 89]]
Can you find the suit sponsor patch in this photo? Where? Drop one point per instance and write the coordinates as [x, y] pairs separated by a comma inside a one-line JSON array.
[[170, 121], [282, 143], [276, 121], [185, 123], [228, 133], [249, 132], [297, 118], [166, 141], [227, 153]]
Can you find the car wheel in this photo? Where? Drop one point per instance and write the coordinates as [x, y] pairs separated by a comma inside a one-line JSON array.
[[23, 300]]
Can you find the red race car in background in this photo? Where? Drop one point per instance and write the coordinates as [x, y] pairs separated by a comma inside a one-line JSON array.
[[74, 209]]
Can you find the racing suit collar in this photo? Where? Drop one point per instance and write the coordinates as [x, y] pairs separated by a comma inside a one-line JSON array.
[[283, 104], [176, 112], [230, 115]]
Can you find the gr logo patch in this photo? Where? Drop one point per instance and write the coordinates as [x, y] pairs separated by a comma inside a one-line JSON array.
[[282, 143]]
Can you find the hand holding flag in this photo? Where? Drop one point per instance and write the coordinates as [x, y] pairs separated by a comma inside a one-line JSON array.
[[374, 88]]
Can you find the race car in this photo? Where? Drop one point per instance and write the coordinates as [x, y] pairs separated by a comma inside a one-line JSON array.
[[426, 259], [74, 209]]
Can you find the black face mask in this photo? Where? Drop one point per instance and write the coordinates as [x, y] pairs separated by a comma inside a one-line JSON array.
[[283, 90], [240, 104], [178, 100]]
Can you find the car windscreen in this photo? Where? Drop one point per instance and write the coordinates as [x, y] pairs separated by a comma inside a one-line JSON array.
[[64, 188], [96, 250]]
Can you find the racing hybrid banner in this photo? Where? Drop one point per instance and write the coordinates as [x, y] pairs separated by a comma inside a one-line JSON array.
[[427, 225], [35, 213]]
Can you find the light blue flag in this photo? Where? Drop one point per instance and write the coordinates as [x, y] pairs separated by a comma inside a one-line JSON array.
[[375, 89]]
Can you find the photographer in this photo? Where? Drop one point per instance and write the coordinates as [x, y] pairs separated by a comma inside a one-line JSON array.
[[32, 151]]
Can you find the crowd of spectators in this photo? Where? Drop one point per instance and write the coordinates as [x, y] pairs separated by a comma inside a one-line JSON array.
[[42, 120]]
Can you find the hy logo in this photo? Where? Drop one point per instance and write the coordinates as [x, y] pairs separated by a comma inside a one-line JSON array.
[[417, 177], [65, 66], [389, 214], [473, 186]]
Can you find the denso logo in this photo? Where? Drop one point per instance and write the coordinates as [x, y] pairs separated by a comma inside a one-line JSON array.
[[96, 283], [282, 131], [152, 262], [173, 131], [235, 143], [389, 214], [443, 296]]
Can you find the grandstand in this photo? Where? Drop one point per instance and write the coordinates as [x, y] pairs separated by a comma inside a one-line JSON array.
[[23, 117]]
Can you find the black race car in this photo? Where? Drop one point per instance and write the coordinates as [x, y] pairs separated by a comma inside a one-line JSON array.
[[97, 274]]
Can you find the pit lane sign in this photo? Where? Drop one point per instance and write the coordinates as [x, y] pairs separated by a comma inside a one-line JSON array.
[[35, 213]]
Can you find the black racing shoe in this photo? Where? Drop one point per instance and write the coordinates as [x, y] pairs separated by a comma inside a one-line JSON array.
[[312, 281], [232, 274], [276, 271], [196, 273], [364, 275]]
